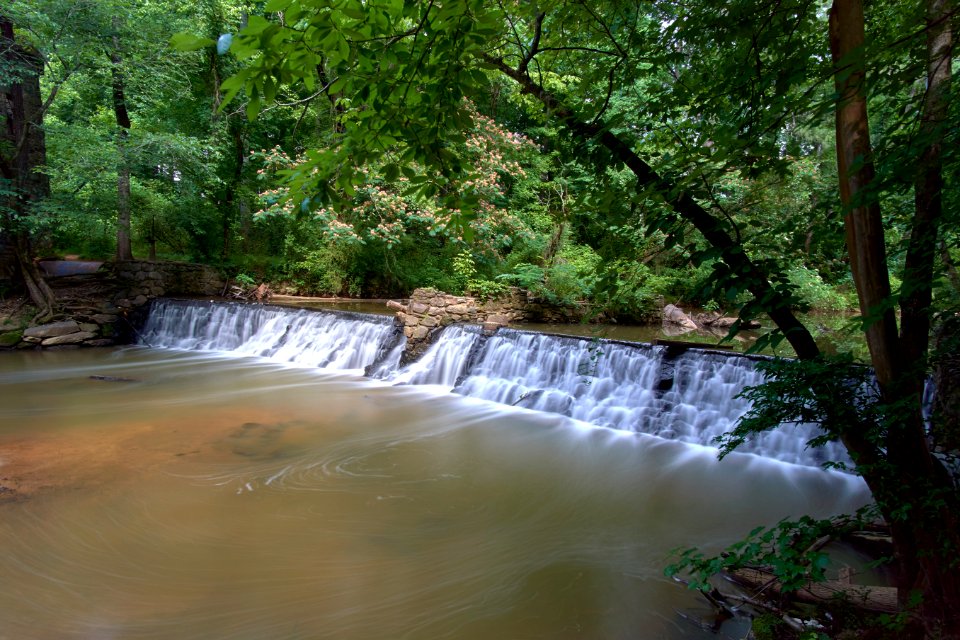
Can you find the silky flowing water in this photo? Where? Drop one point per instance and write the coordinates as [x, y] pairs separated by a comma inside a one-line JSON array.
[[153, 493]]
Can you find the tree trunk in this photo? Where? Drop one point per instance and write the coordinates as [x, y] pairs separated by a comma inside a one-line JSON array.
[[124, 249], [39, 291], [862, 220], [22, 151], [911, 487]]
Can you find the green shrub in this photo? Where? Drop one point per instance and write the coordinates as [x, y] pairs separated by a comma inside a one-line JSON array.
[[632, 292], [815, 292], [325, 271]]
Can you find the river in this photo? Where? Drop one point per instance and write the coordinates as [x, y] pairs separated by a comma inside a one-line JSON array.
[[159, 493]]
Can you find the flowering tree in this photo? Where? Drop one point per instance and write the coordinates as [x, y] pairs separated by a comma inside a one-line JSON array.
[[386, 203]]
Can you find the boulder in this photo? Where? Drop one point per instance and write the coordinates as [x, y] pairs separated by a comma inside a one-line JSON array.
[[100, 342], [489, 328], [70, 338], [52, 330], [419, 333], [675, 315], [10, 338], [458, 309]]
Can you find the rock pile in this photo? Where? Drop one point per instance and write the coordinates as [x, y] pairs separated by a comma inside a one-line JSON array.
[[97, 329], [428, 310], [675, 317], [96, 305]]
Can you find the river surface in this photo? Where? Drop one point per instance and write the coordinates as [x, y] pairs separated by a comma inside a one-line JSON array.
[[194, 495]]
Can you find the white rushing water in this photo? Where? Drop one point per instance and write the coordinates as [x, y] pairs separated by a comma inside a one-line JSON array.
[[335, 341], [690, 397]]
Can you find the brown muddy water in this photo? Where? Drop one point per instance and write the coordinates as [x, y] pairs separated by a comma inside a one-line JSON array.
[[198, 496]]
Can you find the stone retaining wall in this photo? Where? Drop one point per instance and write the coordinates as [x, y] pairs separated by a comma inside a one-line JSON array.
[[428, 310], [140, 281], [126, 288]]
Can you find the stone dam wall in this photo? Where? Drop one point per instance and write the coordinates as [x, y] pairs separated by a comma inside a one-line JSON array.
[[429, 310], [139, 281], [102, 309]]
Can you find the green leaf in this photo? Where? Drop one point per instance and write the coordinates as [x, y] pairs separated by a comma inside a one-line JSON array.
[[343, 48], [391, 172], [337, 86], [184, 41], [355, 12], [253, 109]]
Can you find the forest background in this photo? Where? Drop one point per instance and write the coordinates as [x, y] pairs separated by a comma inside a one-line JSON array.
[[201, 176]]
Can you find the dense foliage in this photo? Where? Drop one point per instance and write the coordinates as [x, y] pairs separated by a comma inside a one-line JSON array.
[[360, 211]]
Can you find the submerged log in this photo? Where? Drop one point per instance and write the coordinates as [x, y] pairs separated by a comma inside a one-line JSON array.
[[685, 344], [112, 379], [869, 598]]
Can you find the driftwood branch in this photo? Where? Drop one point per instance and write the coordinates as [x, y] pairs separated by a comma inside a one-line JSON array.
[[868, 598]]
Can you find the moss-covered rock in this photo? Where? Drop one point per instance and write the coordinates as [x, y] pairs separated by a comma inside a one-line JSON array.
[[10, 338]]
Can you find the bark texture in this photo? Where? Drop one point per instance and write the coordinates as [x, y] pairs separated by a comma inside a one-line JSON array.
[[911, 486], [124, 249], [22, 152]]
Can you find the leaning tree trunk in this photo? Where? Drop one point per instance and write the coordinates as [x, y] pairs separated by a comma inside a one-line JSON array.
[[912, 489], [22, 151]]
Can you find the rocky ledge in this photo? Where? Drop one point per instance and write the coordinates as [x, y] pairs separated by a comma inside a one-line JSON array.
[[428, 310], [93, 308], [96, 328]]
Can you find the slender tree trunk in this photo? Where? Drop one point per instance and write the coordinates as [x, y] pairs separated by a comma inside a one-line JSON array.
[[234, 204], [862, 220], [928, 187], [953, 276], [124, 249], [910, 478]]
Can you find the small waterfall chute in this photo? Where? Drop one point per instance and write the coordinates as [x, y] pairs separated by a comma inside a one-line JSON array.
[[443, 362], [340, 341]]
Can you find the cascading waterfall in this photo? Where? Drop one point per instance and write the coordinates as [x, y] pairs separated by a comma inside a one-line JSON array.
[[340, 341], [691, 397], [443, 362]]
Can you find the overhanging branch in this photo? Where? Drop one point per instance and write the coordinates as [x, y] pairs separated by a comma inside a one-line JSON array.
[[775, 303]]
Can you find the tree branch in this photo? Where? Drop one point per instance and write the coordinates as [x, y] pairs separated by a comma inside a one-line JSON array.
[[535, 44], [683, 203]]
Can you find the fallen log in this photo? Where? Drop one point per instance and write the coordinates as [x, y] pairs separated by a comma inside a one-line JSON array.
[[869, 598], [691, 345]]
